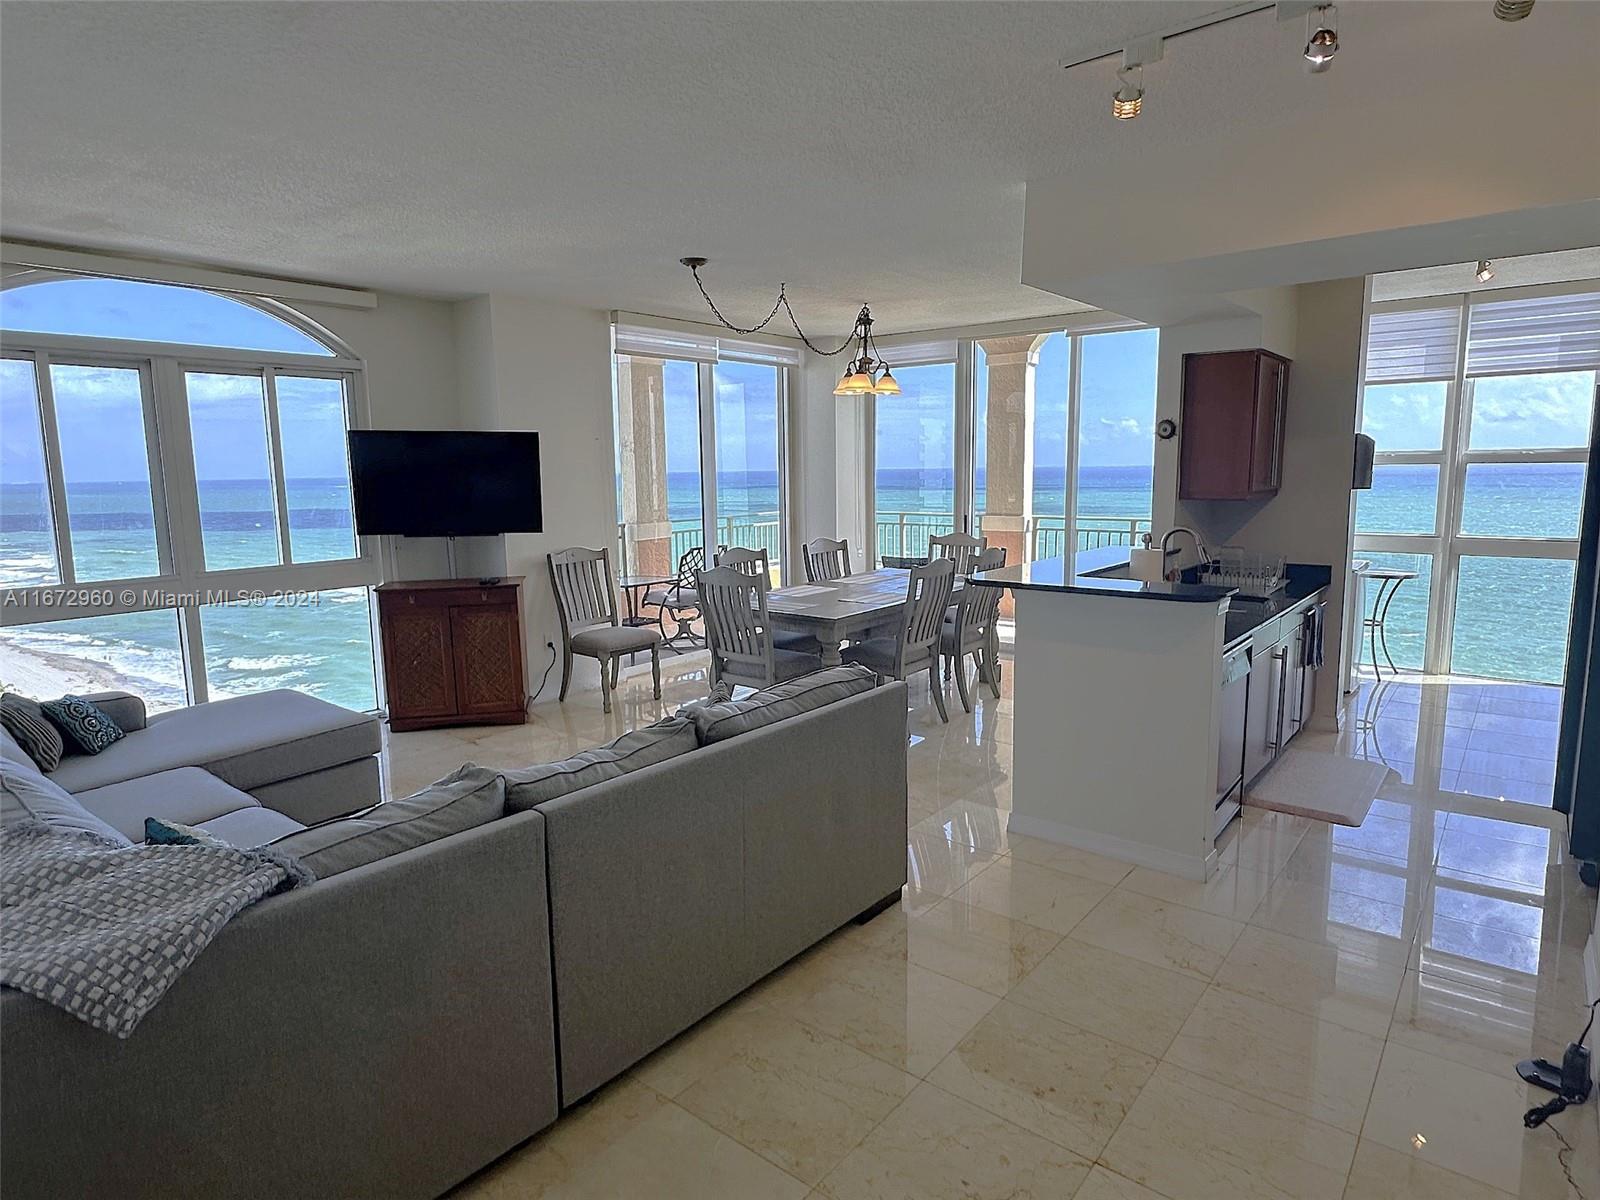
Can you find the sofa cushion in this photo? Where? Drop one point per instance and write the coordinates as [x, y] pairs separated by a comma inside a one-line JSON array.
[[247, 828], [83, 726], [186, 795], [729, 718], [247, 741], [527, 787], [470, 797], [30, 731], [12, 752], [25, 793]]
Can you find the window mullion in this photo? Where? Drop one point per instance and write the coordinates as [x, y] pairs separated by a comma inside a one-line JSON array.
[[155, 422], [1074, 448], [280, 487], [191, 642], [179, 476], [55, 476], [1452, 480]]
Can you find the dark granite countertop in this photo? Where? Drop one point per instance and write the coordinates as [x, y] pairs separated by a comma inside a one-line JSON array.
[[1083, 577]]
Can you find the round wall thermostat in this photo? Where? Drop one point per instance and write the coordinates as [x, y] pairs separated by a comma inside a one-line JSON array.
[[1166, 429]]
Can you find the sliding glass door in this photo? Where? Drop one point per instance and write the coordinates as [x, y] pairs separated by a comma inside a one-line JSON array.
[[914, 477], [699, 449]]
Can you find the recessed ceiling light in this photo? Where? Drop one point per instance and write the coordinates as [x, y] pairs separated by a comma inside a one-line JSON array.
[[1485, 271]]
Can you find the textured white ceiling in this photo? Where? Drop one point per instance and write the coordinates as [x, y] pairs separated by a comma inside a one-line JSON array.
[[575, 151]]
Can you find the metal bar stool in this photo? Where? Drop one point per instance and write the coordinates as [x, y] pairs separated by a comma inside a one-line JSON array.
[[1389, 581]]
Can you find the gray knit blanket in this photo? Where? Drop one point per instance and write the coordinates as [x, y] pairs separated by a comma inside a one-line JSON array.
[[102, 931]]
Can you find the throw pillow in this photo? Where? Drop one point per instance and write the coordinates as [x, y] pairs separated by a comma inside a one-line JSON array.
[[729, 718], [169, 833], [25, 721], [25, 794], [82, 723], [528, 787], [469, 797]]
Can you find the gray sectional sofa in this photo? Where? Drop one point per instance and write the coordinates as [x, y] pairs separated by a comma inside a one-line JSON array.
[[394, 1028]]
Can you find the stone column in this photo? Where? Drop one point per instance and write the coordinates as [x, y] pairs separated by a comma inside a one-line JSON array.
[[642, 442], [1008, 471]]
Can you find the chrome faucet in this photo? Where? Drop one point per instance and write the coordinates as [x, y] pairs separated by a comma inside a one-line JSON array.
[[1199, 549]]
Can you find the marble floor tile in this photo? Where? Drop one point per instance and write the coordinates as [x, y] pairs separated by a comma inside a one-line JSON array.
[[1467, 1121], [903, 1014], [1190, 1137], [1130, 1002], [1328, 913], [1484, 1027], [1104, 1185], [972, 823], [1315, 978], [937, 866], [1261, 841], [1232, 892], [631, 1141], [1035, 895], [1485, 956], [796, 1097], [1313, 1067], [936, 1146], [961, 941], [1160, 933], [1061, 1082], [1383, 1174], [1060, 857]]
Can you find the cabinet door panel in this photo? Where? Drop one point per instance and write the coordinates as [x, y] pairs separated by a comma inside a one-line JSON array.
[[1260, 713], [1218, 409], [417, 664], [488, 659], [1266, 446]]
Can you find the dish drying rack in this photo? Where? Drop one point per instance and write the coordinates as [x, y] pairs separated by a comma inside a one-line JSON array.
[[1252, 574]]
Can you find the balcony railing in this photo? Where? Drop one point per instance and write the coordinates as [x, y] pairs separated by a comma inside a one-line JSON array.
[[897, 535]]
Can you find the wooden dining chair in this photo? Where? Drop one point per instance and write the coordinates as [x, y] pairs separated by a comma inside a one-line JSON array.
[[755, 562], [969, 628], [739, 631], [961, 548], [586, 601], [916, 648], [826, 559]]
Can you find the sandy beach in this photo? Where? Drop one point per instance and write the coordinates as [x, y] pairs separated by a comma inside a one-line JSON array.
[[43, 675]]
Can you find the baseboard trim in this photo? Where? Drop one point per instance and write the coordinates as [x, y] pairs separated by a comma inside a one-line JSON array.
[[1196, 867], [1591, 966]]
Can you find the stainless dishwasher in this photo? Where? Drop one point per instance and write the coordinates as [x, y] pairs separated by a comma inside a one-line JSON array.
[[1230, 736]]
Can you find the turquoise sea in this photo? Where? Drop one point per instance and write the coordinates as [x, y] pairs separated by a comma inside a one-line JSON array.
[[1511, 613]]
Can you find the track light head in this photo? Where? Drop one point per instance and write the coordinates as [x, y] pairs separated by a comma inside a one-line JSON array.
[[1485, 271], [1128, 100], [1512, 10], [1322, 36]]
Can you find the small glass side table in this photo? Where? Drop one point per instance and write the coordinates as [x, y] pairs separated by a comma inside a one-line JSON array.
[[1389, 580]]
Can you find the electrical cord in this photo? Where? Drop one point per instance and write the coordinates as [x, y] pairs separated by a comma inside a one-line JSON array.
[[1541, 1113], [546, 678]]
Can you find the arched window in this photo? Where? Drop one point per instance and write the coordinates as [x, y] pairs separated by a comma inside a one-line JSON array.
[[190, 444]]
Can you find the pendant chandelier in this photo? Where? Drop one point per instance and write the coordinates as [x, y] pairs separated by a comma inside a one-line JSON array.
[[867, 373]]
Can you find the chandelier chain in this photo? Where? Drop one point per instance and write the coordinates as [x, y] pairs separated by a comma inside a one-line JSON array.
[[783, 303]]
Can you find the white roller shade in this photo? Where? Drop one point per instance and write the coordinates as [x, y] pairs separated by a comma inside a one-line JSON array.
[[762, 353], [1541, 333], [1408, 345], [645, 341], [912, 354]]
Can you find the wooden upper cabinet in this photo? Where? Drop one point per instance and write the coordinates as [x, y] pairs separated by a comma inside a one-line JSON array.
[[1232, 430]]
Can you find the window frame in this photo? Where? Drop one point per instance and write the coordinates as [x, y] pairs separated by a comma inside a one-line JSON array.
[[1447, 545], [183, 580]]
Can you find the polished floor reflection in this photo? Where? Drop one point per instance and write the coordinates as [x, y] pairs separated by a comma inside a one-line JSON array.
[[1334, 1014]]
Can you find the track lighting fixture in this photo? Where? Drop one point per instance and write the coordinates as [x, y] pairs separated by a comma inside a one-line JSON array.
[[1485, 271], [1512, 10], [1128, 99], [1322, 36]]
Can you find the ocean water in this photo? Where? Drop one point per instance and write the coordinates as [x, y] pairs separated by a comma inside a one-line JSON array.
[[1511, 617]]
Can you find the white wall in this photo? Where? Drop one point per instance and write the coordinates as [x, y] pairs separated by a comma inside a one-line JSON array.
[[532, 365]]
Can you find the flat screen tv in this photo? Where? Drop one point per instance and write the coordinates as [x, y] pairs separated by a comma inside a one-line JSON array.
[[445, 484]]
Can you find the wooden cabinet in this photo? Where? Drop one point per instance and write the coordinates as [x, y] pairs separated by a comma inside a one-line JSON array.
[[1233, 419], [452, 653], [1283, 685]]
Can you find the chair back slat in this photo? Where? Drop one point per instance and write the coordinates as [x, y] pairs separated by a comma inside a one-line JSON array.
[[738, 627], [585, 594], [927, 596], [962, 548], [826, 559]]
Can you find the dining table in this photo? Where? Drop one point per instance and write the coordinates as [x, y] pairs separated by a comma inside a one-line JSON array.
[[835, 611]]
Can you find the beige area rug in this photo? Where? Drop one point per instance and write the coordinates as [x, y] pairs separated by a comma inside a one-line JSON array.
[[1325, 787]]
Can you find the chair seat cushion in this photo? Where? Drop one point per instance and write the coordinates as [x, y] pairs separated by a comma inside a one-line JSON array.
[[716, 722], [247, 828], [247, 741], [673, 597], [804, 643], [879, 653], [527, 787], [470, 797], [613, 639], [186, 795], [791, 664]]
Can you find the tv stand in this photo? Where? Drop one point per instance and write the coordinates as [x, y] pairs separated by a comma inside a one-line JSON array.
[[452, 652]]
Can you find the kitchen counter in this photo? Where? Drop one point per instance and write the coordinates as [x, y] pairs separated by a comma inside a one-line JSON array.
[[1088, 573]]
